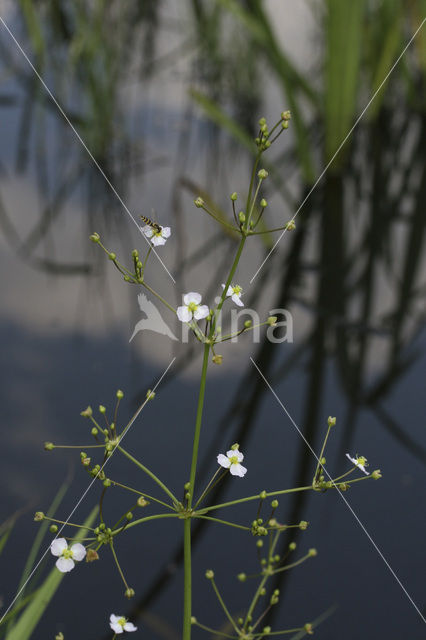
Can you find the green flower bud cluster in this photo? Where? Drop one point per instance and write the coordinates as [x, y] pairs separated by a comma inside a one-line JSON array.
[[103, 534], [258, 529]]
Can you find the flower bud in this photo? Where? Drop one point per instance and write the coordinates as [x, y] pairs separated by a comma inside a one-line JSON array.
[[234, 196], [303, 525], [193, 620], [135, 253], [312, 553], [284, 124], [142, 502], [262, 495], [150, 395], [107, 483], [199, 202], [248, 324], [331, 421], [259, 544], [53, 528], [262, 122], [286, 115], [94, 431], [209, 574], [263, 203], [242, 216], [48, 446], [217, 359], [242, 577], [272, 320], [235, 447], [274, 504], [129, 593], [87, 412], [292, 546], [262, 174], [119, 394], [308, 629], [38, 516], [266, 630], [129, 515], [376, 474], [112, 255], [60, 636], [290, 226], [95, 237], [262, 591]]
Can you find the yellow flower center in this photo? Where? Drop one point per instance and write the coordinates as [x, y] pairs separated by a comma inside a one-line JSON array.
[[234, 459]]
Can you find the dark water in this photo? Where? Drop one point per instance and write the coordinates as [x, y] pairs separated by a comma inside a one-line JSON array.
[[351, 275]]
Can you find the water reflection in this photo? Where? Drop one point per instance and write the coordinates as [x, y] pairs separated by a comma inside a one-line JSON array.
[[351, 273]]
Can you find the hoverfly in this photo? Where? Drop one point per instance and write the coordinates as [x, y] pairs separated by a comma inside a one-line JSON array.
[[152, 224]]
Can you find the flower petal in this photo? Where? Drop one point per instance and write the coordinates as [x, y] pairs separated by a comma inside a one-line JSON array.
[[166, 232], [238, 470], [202, 312], [58, 546], [237, 299], [184, 314], [113, 618], [192, 296], [223, 461], [351, 459], [147, 231], [78, 551], [129, 626], [116, 627], [65, 564], [157, 241]]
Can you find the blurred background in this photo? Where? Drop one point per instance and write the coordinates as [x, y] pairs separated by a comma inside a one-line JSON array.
[[167, 97]]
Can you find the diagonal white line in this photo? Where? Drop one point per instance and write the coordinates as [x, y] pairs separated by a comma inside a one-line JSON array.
[[80, 139], [80, 500], [357, 121], [340, 493]]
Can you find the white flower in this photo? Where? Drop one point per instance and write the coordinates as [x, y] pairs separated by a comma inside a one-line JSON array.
[[235, 291], [359, 462], [157, 237], [192, 308], [65, 562], [120, 624], [232, 462]]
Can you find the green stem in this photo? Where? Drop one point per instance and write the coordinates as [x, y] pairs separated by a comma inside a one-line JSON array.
[[256, 497], [157, 516], [187, 582], [230, 524], [187, 585], [255, 600], [157, 295], [140, 493], [220, 220], [149, 473], [198, 424], [253, 174], [223, 605], [211, 485], [228, 282]]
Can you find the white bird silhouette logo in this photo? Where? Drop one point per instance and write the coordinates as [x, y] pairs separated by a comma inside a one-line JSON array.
[[153, 321]]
